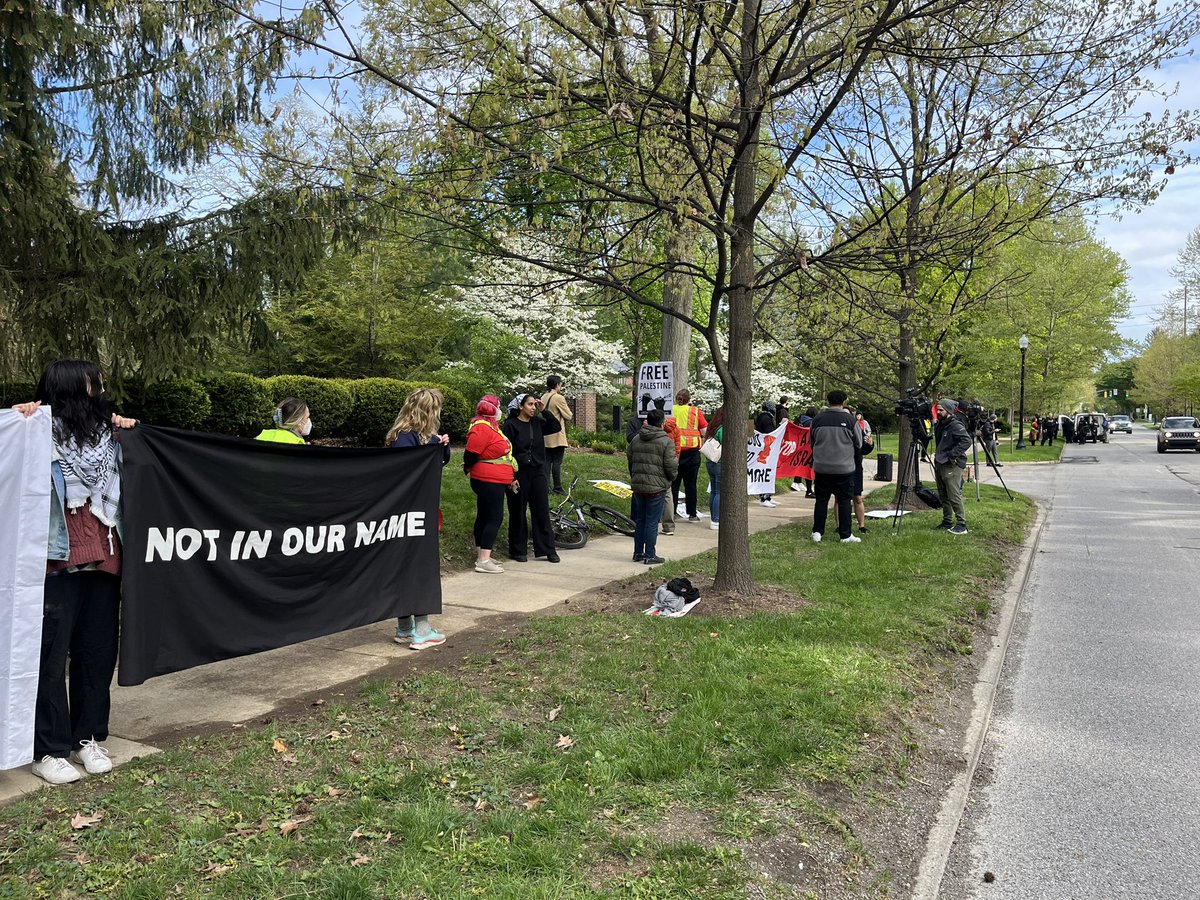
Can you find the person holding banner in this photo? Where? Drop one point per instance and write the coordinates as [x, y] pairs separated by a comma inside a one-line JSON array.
[[489, 463], [292, 423], [82, 596], [765, 424], [418, 424], [526, 431]]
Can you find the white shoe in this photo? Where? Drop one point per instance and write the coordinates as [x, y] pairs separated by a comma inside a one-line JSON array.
[[816, 537], [488, 567], [92, 757], [853, 539], [715, 526], [55, 770], [796, 487], [769, 504]]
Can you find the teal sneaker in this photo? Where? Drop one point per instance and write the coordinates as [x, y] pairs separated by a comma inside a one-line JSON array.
[[431, 638], [404, 634]]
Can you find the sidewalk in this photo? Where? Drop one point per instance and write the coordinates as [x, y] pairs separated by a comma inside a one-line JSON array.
[[250, 687]]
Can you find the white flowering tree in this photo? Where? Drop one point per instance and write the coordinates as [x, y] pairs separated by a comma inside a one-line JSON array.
[[766, 383], [546, 322]]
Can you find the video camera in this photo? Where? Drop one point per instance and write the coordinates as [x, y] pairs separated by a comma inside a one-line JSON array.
[[918, 409]]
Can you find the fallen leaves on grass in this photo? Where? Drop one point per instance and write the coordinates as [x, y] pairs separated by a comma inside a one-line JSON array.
[[333, 792], [360, 860], [216, 870], [554, 713], [79, 821], [279, 746], [533, 801], [286, 828], [565, 742]]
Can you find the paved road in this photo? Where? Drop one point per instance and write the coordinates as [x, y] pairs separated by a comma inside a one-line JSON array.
[[1094, 750]]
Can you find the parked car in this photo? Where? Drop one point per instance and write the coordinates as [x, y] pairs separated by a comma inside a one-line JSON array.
[[1120, 423], [1091, 426], [1179, 433]]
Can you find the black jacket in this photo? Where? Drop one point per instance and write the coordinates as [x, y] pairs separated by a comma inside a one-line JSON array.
[[953, 441], [528, 438]]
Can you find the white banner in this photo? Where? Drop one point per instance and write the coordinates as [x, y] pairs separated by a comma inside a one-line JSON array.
[[24, 532], [762, 459], [656, 388]]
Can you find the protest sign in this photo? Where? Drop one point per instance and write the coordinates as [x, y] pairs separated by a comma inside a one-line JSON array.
[[762, 460], [656, 388], [795, 457]]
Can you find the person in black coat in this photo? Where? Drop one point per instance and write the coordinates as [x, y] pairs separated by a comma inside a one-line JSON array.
[[765, 424], [526, 427]]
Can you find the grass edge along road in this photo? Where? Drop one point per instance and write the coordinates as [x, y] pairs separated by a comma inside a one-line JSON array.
[[562, 762]]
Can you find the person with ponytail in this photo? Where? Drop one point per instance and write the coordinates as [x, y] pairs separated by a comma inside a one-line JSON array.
[[488, 461], [418, 424], [82, 594], [293, 423]]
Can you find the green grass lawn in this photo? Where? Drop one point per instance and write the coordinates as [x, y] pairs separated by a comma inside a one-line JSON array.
[[1031, 453], [553, 765]]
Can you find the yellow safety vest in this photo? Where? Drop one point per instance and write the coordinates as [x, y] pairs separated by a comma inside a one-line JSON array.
[[687, 420], [507, 459]]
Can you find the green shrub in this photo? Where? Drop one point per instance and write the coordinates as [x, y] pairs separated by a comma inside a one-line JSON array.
[[13, 392], [241, 404], [377, 401], [604, 447], [329, 400], [174, 402]]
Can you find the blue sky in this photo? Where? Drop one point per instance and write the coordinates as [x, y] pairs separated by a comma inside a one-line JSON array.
[[1150, 239]]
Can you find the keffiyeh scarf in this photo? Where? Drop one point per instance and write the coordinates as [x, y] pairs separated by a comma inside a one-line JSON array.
[[91, 476]]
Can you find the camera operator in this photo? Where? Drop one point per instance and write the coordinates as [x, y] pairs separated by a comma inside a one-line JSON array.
[[950, 464]]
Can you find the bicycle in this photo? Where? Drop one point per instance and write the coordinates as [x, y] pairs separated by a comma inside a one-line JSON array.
[[571, 526]]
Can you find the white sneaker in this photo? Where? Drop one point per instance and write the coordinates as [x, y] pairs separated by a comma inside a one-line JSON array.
[[771, 504], [92, 757], [715, 526], [816, 537], [853, 539], [55, 770], [796, 487], [488, 567]]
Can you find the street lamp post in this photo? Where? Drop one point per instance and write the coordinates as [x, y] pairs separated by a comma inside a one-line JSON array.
[[1023, 343]]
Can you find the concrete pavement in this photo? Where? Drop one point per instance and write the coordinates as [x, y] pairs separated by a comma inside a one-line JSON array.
[[1089, 783], [249, 687]]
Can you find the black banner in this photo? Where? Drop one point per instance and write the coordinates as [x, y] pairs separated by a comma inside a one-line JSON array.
[[235, 546]]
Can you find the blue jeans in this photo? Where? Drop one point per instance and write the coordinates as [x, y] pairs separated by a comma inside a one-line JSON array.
[[714, 480], [647, 510]]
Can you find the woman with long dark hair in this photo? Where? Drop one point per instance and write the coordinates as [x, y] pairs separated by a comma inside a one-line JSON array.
[[715, 431], [526, 428], [83, 569]]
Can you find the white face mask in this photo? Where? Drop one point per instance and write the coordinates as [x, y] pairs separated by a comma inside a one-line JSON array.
[[307, 428]]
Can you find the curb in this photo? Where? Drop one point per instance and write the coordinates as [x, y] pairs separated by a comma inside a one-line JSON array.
[[944, 831]]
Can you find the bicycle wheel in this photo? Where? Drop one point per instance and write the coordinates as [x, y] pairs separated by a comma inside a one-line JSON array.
[[613, 520], [568, 535]]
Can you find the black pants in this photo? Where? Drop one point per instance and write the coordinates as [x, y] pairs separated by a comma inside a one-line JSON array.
[[489, 511], [841, 487], [79, 622], [534, 497], [689, 468], [554, 458]]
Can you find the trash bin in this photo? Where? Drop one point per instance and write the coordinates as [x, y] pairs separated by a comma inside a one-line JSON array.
[[883, 467]]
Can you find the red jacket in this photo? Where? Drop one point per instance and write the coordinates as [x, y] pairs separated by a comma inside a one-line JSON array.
[[495, 463]]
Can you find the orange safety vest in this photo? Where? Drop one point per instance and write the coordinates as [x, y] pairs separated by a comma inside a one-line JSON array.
[[690, 437]]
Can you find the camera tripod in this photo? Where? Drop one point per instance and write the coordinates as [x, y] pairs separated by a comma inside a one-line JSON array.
[[911, 469], [991, 461]]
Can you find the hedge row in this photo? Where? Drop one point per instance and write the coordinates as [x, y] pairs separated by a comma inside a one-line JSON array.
[[239, 404]]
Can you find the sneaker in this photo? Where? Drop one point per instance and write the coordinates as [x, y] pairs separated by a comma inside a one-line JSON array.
[[693, 518], [403, 635], [958, 529], [654, 560], [431, 638], [816, 537], [796, 487], [515, 557], [853, 539], [770, 504], [55, 770], [488, 567], [862, 529], [639, 557], [715, 526], [808, 495], [672, 531], [945, 526], [550, 558], [92, 757]]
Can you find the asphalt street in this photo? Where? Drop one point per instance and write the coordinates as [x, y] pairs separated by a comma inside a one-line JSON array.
[[1091, 779]]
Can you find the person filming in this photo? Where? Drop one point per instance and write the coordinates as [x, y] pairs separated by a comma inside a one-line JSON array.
[[950, 465]]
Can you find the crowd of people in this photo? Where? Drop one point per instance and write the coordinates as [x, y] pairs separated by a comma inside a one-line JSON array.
[[512, 457]]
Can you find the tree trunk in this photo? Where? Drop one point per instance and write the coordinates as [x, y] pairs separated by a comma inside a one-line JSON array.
[[678, 295], [734, 572]]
